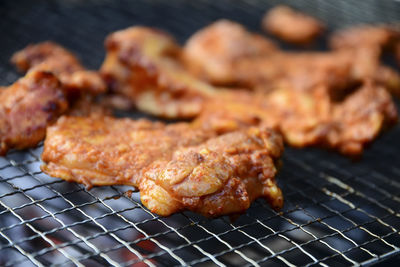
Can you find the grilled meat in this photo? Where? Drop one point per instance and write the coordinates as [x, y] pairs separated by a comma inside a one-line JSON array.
[[141, 65], [292, 26], [176, 167], [27, 107], [379, 36], [304, 114], [49, 56], [245, 63], [55, 84], [227, 42]]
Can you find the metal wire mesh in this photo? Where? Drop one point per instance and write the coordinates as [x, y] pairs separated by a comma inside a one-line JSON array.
[[337, 211]]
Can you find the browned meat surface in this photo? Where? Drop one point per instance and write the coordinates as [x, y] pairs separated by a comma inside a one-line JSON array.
[[302, 113], [360, 118], [389, 79], [49, 56], [378, 36], [381, 38], [141, 65], [307, 118], [265, 71], [212, 52], [234, 58], [303, 71], [302, 117], [55, 84], [292, 26], [176, 167], [26, 109], [87, 105], [80, 85], [226, 157]]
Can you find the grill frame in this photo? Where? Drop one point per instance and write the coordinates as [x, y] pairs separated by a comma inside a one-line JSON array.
[[336, 211]]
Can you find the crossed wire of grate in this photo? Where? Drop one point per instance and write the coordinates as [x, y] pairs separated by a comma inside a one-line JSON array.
[[333, 214]]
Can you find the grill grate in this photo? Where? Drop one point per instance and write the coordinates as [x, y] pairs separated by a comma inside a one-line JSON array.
[[336, 211]]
